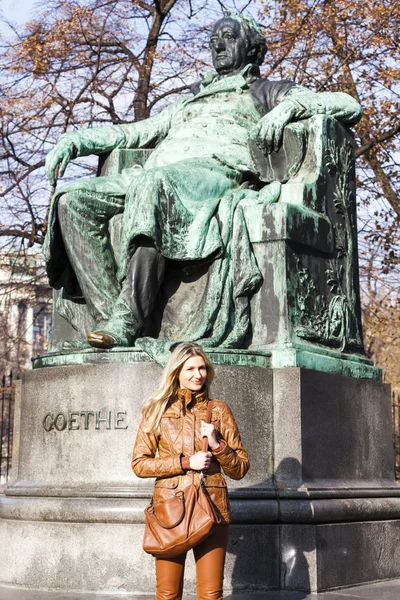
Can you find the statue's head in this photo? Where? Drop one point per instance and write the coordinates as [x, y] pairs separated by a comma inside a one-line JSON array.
[[236, 41]]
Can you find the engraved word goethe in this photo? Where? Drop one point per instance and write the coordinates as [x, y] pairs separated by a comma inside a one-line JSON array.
[[85, 420]]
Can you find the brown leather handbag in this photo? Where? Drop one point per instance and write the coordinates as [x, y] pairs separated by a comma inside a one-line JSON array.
[[175, 526]]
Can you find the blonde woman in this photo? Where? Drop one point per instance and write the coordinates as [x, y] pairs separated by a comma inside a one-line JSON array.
[[168, 447]]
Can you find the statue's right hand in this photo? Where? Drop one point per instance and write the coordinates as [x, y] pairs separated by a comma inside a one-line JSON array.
[[200, 461], [60, 156]]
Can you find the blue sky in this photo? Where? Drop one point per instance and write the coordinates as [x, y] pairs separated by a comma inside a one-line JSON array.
[[18, 11]]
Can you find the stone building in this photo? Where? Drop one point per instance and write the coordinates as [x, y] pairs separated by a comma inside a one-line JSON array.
[[25, 309]]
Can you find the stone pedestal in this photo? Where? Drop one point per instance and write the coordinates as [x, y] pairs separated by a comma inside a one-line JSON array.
[[319, 508]]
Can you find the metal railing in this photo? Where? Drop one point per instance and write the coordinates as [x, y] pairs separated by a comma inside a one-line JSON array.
[[7, 404]]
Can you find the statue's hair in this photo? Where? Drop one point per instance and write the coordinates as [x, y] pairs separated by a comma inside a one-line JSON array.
[[253, 33], [154, 407]]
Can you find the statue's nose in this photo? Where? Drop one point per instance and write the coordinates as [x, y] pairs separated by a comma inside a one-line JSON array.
[[219, 45]]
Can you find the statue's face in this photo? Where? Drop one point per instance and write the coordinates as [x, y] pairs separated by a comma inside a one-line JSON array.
[[229, 47]]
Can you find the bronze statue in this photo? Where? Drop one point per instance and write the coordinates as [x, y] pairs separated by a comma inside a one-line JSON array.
[[182, 204]]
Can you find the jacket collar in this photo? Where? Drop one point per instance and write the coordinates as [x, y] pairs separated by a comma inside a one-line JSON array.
[[185, 397]]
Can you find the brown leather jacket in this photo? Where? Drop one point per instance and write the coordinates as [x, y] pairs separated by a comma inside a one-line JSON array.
[[180, 437]]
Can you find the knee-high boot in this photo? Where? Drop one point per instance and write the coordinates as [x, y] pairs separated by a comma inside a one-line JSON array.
[[210, 563]]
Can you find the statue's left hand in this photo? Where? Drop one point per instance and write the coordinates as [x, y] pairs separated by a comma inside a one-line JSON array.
[[61, 155], [268, 133]]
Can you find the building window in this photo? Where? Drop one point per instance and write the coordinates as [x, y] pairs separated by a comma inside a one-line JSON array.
[[41, 328], [21, 325]]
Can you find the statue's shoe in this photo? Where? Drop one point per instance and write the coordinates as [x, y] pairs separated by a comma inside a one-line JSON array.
[[106, 340]]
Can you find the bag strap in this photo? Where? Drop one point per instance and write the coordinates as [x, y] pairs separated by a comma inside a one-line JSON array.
[[208, 420]]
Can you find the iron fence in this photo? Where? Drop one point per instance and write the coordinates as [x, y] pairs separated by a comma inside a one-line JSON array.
[[7, 390]]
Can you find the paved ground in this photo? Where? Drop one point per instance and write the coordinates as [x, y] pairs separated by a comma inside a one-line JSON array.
[[389, 590]]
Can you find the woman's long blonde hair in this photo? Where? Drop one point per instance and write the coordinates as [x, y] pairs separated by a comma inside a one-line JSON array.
[[153, 407]]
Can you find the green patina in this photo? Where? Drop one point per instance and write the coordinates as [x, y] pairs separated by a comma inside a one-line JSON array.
[[238, 358], [326, 361], [259, 235]]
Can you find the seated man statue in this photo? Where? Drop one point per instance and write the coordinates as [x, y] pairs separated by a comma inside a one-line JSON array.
[[181, 204]]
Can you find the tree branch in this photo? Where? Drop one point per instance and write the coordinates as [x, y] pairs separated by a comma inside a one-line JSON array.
[[144, 5], [384, 181], [377, 139]]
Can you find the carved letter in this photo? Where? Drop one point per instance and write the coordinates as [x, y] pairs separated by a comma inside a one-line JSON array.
[[86, 414], [72, 420], [48, 422], [119, 417], [106, 420], [60, 422]]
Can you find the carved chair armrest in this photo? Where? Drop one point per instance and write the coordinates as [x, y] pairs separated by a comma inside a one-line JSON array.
[[315, 156], [302, 156], [289, 222], [309, 161], [284, 164]]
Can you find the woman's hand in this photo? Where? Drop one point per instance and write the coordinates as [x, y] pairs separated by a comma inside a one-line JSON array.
[[208, 430], [200, 461]]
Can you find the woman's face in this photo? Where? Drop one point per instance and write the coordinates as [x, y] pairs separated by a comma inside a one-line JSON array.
[[193, 374]]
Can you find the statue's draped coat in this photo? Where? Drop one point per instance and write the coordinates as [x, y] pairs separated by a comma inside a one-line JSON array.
[[187, 197]]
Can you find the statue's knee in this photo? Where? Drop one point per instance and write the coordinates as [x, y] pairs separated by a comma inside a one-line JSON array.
[[153, 177], [63, 206], [68, 203], [70, 209], [62, 201]]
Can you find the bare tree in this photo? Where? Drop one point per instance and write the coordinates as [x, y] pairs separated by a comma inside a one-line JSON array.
[[85, 62]]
